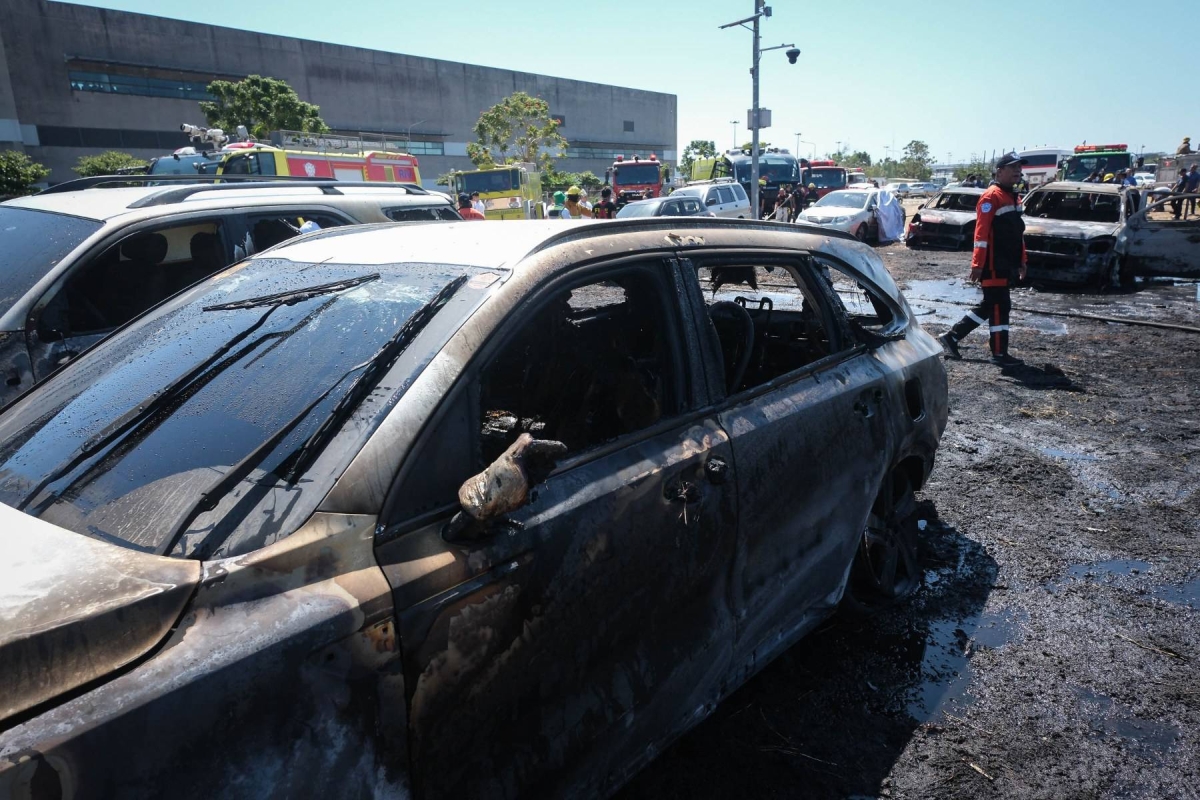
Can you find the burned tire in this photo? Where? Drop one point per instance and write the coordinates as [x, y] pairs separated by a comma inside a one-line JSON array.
[[861, 233], [886, 568]]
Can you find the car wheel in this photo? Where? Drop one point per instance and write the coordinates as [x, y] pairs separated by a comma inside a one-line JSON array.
[[885, 569], [861, 233]]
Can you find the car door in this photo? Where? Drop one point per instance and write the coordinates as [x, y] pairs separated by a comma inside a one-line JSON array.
[[549, 653], [122, 278], [1153, 242], [729, 204], [806, 419]]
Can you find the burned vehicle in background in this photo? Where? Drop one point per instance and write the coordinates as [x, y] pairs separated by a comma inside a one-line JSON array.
[[452, 510], [1152, 242], [1070, 234], [947, 221]]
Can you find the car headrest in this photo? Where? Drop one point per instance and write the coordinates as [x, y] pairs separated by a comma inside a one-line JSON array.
[[147, 247]]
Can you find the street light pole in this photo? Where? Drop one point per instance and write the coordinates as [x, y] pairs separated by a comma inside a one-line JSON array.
[[813, 153], [798, 135], [734, 123]]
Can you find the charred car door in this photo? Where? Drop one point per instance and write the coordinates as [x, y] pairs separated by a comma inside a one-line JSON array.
[[1153, 242], [805, 410], [547, 650]]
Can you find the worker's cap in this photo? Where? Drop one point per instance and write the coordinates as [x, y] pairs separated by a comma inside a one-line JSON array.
[[1187, 138], [1009, 159], [606, 192], [1109, 176], [463, 197], [812, 186], [573, 190], [560, 197]]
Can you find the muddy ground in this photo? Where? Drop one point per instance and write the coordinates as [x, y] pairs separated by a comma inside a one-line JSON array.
[[1054, 649]]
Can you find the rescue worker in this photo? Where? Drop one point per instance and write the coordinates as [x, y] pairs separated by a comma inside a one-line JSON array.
[[997, 259], [466, 210], [575, 209], [606, 208], [1185, 147], [558, 209]]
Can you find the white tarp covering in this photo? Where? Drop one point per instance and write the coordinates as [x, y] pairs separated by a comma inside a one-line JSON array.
[[891, 217]]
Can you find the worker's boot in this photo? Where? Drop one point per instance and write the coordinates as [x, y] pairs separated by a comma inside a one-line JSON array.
[[951, 345]]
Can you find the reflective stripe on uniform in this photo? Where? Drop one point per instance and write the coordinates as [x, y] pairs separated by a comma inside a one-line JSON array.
[[981, 244], [975, 318], [995, 328], [1006, 209]]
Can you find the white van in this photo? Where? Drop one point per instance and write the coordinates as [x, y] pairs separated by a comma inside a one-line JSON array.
[[723, 198]]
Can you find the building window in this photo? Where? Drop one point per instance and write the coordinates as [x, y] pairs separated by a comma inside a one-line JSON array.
[[420, 148], [111, 83], [611, 153], [629, 126]]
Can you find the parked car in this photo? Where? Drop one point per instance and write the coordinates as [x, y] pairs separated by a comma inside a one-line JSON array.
[[670, 206], [725, 199], [452, 510], [1070, 230], [75, 265], [946, 221], [848, 210]]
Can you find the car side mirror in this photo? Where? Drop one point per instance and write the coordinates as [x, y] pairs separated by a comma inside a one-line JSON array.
[[504, 486]]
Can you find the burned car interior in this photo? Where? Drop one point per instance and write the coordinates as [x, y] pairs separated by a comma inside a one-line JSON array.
[[590, 365], [955, 201], [1074, 206]]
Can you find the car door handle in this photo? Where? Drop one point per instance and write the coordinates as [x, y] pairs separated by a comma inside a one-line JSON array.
[[715, 469]]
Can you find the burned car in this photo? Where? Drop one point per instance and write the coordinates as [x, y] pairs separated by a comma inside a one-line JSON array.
[[1070, 233], [451, 511], [947, 221], [1154, 242]]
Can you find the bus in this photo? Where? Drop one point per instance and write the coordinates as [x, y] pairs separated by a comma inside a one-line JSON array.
[[776, 166], [1042, 166]]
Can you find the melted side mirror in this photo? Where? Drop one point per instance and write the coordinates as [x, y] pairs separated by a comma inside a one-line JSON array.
[[504, 486]]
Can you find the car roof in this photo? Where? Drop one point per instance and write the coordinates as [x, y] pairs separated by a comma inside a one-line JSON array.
[[106, 204], [963, 190]]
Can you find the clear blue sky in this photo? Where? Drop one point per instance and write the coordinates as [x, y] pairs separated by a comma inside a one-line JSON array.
[[964, 76]]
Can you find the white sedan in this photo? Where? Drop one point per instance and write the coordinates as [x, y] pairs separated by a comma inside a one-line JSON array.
[[849, 210]]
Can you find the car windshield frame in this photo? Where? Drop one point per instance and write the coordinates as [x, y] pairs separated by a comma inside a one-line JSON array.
[[1038, 205], [837, 199], [26, 256], [209, 429], [962, 199]]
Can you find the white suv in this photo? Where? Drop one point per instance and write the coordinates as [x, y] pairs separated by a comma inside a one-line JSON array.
[[723, 199], [76, 264]]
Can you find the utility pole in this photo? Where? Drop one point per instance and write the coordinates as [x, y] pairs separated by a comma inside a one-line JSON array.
[[734, 123], [761, 9], [838, 152], [798, 135]]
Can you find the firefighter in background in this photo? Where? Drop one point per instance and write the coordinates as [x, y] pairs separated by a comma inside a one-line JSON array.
[[997, 259]]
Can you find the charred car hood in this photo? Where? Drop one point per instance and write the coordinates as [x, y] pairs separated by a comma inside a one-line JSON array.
[[1066, 229], [73, 609], [946, 217]]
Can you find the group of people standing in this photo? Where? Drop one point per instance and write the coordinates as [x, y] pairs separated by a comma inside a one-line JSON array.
[[573, 204], [787, 203]]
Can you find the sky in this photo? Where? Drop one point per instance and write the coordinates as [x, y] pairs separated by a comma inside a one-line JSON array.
[[966, 77]]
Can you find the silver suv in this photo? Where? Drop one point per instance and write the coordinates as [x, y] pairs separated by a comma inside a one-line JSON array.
[[722, 198], [75, 265]]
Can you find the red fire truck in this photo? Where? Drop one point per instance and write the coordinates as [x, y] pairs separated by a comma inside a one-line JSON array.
[[636, 179], [827, 176]]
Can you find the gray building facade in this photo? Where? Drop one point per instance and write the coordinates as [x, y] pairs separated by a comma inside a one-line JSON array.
[[77, 80]]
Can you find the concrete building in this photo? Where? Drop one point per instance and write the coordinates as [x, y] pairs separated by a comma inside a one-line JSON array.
[[76, 80]]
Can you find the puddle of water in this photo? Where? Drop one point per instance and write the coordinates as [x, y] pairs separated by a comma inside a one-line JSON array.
[[1146, 736], [1187, 594], [1100, 572], [932, 301], [945, 671], [1067, 455]]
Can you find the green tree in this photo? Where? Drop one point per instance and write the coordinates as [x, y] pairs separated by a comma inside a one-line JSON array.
[[262, 105], [976, 167], [697, 148], [107, 163], [517, 129], [761, 145], [18, 174], [918, 161], [859, 159]]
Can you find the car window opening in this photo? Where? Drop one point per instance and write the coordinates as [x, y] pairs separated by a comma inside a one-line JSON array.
[[767, 320], [590, 366], [955, 201], [132, 276], [865, 310], [1074, 206]]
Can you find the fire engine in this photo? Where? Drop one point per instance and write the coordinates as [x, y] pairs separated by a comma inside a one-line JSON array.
[[511, 191], [345, 158], [1102, 158], [827, 176], [636, 179]]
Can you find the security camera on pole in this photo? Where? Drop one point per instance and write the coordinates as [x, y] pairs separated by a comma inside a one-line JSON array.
[[758, 117]]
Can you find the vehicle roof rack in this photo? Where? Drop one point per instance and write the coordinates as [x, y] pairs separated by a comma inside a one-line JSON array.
[[326, 185], [143, 180]]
